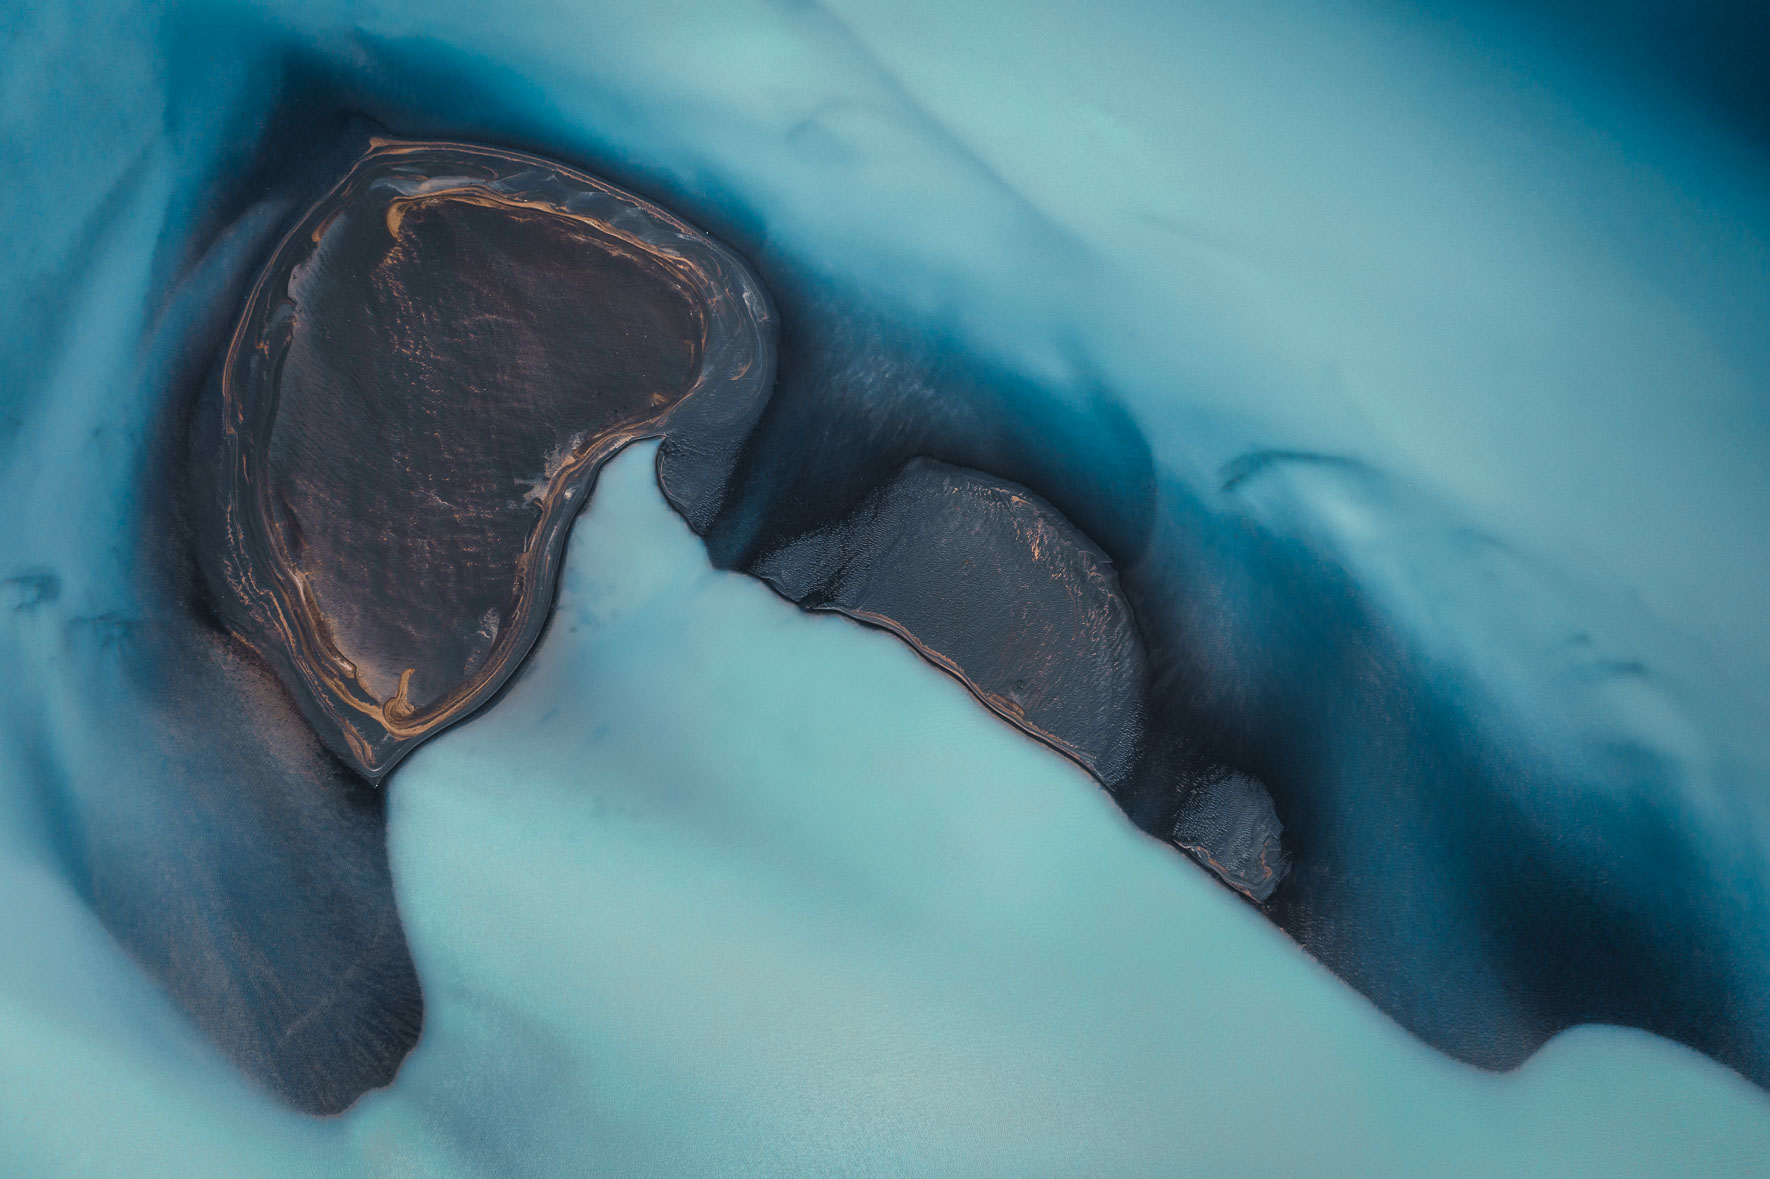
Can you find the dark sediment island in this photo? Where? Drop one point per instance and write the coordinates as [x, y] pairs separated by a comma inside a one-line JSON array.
[[989, 582], [427, 377]]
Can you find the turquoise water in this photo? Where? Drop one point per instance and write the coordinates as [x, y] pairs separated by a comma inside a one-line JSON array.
[[719, 887]]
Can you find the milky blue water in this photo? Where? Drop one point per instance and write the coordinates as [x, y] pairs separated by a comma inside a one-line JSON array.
[[722, 887]]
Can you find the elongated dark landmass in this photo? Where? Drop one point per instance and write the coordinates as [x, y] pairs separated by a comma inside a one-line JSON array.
[[426, 378], [988, 581]]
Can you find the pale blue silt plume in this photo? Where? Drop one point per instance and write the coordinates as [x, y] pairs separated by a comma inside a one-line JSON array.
[[763, 933]]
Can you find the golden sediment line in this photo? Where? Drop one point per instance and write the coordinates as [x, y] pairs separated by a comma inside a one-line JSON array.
[[1003, 707]]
